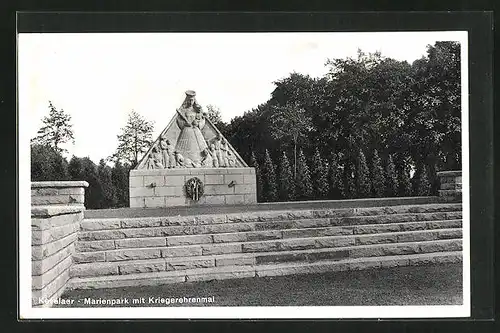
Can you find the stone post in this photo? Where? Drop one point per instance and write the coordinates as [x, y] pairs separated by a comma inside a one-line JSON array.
[[450, 185], [56, 212]]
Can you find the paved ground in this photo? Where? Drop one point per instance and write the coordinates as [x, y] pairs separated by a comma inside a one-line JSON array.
[[424, 285], [296, 205]]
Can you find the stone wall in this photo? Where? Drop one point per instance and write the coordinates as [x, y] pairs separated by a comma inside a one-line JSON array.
[[56, 212], [450, 185], [165, 187]]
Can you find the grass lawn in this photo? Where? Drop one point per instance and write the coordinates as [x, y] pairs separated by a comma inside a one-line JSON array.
[[439, 284]]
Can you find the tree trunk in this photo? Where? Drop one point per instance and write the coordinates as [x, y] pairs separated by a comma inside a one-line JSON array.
[[294, 158]]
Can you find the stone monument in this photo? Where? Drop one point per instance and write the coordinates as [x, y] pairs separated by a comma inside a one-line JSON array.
[[191, 163]]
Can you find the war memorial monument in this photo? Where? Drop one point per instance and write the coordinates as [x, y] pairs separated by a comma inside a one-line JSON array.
[[194, 216], [191, 163]]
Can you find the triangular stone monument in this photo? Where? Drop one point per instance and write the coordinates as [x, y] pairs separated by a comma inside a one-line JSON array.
[[191, 163], [190, 140]]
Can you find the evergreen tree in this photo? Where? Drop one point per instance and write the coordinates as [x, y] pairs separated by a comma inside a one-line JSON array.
[[269, 178], [56, 131], [391, 179], [405, 188], [93, 193], [286, 183], [75, 169], [349, 186], [423, 184], [362, 177], [47, 164], [258, 176], [319, 176], [378, 179], [334, 177], [134, 140], [120, 181], [105, 179], [303, 184]]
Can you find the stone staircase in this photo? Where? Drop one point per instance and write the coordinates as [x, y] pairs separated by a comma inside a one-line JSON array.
[[119, 252]]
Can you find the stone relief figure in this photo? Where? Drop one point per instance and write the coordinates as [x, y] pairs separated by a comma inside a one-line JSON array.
[[231, 159], [218, 151], [190, 119], [154, 159], [215, 160], [224, 152], [207, 160], [168, 153]]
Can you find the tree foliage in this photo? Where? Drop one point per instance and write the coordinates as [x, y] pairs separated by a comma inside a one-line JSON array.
[[363, 186], [319, 176], [269, 178], [391, 178], [377, 176], [56, 130], [286, 180], [47, 164], [134, 140], [303, 182], [258, 176]]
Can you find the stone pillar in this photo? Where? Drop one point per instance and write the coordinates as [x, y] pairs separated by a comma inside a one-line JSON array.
[[56, 212], [450, 185]]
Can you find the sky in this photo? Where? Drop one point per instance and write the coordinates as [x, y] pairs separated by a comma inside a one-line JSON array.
[[99, 78]]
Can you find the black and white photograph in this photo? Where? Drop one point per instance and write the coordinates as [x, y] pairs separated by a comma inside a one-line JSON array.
[[244, 175]]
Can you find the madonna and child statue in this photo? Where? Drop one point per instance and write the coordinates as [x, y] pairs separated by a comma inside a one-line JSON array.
[[191, 141]]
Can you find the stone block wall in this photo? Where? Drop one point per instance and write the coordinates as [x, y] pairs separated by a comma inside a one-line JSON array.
[[166, 187], [450, 185], [56, 212]]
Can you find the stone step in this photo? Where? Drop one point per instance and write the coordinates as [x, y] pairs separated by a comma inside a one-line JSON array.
[[233, 272], [119, 241], [259, 258], [264, 246], [140, 228], [347, 215]]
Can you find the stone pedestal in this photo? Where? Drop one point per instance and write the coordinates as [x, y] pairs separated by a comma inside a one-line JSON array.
[[166, 187], [56, 212], [450, 185]]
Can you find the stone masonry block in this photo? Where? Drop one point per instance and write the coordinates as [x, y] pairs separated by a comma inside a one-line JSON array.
[[155, 202], [175, 201], [141, 268], [249, 179], [94, 269], [218, 189], [140, 223], [214, 179], [189, 240], [140, 242], [236, 178], [237, 261], [39, 237], [251, 198], [141, 192], [215, 199], [138, 202], [90, 246], [40, 281], [221, 248], [51, 289], [39, 267], [244, 189], [58, 199], [39, 252], [156, 180], [186, 251], [174, 180], [136, 181], [168, 191], [179, 265], [84, 257], [133, 254], [235, 199], [100, 224]]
